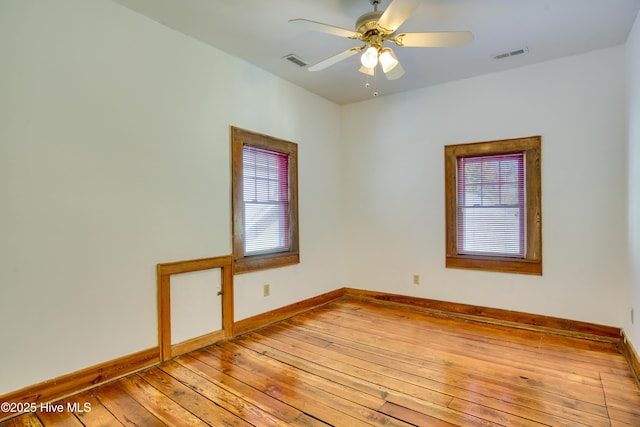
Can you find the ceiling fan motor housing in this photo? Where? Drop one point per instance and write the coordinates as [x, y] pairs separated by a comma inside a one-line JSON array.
[[368, 22]]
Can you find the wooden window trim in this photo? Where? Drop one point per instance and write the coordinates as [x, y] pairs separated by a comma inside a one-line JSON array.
[[242, 262], [532, 263]]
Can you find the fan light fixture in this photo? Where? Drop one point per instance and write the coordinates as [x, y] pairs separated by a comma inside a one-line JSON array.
[[377, 27], [374, 55], [388, 60], [369, 58]]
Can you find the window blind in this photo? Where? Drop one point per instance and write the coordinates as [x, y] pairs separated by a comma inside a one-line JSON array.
[[491, 205], [266, 200]]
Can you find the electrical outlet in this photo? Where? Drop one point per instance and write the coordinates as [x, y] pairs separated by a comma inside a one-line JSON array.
[[267, 290], [416, 279]]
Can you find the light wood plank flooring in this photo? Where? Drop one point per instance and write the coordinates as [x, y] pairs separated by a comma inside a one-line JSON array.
[[355, 363]]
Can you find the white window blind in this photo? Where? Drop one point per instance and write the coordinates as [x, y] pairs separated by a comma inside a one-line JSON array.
[[266, 200], [491, 205]]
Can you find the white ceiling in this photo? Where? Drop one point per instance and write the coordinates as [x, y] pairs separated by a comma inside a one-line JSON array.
[[258, 32]]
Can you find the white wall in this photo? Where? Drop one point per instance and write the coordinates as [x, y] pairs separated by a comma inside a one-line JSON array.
[[394, 179], [633, 80], [114, 156]]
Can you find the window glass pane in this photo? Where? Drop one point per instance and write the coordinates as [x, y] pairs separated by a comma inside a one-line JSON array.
[[509, 171], [265, 228], [473, 172], [509, 194], [491, 231], [490, 195], [491, 205], [472, 195], [249, 188], [262, 191], [490, 171], [266, 204]]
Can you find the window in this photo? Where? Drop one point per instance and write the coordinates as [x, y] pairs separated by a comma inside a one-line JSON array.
[[265, 201], [493, 206], [490, 199]]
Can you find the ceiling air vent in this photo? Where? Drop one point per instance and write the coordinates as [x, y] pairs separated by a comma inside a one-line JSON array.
[[512, 53], [295, 59]]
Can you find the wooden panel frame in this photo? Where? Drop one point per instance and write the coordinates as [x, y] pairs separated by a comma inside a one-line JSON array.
[[165, 271]]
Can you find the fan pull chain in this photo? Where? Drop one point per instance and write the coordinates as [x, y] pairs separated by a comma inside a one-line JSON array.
[[375, 83]]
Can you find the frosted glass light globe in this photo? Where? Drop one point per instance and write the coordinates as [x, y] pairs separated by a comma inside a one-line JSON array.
[[370, 57]]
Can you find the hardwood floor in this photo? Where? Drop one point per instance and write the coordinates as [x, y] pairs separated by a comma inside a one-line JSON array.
[[352, 363]]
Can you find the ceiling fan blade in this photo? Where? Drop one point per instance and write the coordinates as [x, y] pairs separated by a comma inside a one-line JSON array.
[[325, 28], [334, 59], [397, 12], [434, 39]]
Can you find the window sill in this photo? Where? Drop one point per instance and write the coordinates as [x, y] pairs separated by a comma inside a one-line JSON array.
[[503, 265], [263, 262]]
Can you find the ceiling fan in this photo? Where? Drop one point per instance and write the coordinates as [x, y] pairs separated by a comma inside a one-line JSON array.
[[377, 27]]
